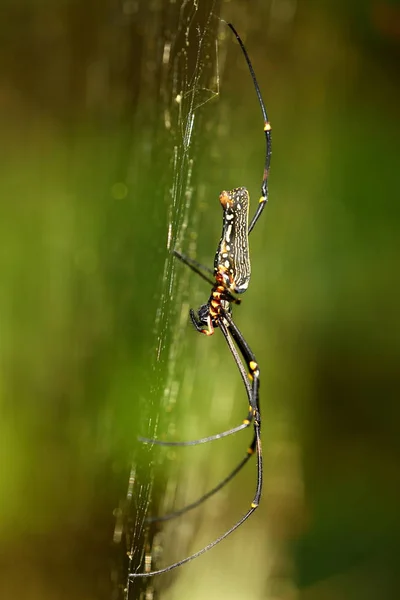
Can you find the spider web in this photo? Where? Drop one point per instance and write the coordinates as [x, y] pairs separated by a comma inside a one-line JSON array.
[[188, 74]]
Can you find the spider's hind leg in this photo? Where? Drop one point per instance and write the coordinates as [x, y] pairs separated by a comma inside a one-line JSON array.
[[181, 511]]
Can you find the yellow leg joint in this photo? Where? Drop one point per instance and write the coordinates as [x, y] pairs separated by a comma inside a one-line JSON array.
[[254, 504]]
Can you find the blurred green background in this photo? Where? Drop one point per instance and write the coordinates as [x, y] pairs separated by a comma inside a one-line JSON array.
[[121, 123]]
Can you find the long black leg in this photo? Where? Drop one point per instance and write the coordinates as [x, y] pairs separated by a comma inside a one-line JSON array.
[[253, 507], [254, 374], [196, 267], [249, 452], [247, 421], [234, 352], [244, 349], [218, 436], [211, 492], [249, 358], [267, 130]]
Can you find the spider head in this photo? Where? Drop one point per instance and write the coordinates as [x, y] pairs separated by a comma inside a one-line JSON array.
[[203, 314], [203, 321]]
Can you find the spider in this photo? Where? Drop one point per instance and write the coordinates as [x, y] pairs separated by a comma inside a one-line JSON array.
[[231, 276]]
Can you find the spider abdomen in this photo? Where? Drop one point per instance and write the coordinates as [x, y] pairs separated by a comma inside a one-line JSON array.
[[232, 259]]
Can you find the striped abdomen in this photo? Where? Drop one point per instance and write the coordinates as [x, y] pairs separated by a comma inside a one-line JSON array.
[[232, 260]]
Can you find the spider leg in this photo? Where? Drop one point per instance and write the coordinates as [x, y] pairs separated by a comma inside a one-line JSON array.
[[253, 507], [254, 374], [246, 422], [209, 546], [267, 130], [214, 490], [195, 266], [244, 460], [249, 358]]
